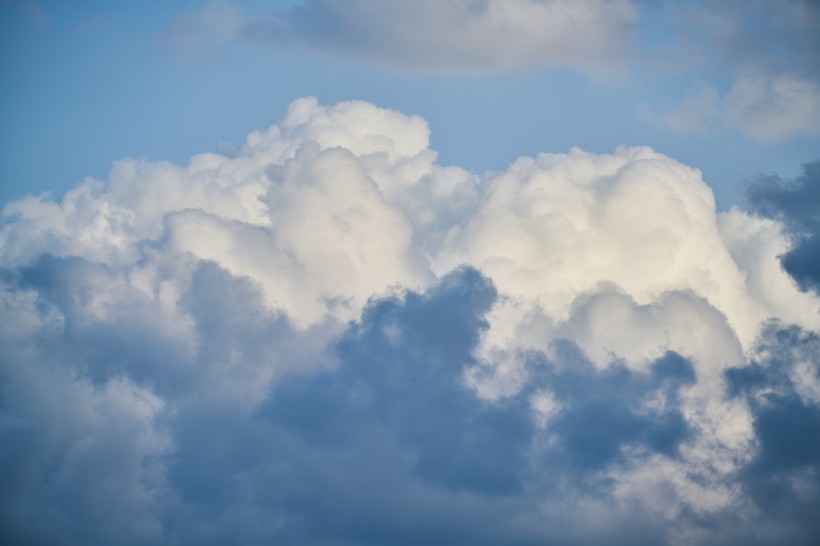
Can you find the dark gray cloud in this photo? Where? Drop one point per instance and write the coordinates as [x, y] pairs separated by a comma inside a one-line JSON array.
[[383, 444], [392, 447], [101, 391], [784, 476], [604, 410], [796, 203]]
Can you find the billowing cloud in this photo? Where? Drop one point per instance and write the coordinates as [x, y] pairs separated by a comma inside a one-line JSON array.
[[794, 203], [329, 338], [772, 36], [782, 386]]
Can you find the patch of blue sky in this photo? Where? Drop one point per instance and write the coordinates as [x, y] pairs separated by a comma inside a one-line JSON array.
[[91, 83]]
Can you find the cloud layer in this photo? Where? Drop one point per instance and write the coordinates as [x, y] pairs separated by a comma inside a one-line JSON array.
[[329, 338], [793, 202], [464, 35], [771, 51], [748, 65]]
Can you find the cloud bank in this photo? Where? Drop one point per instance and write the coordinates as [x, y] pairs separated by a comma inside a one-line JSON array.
[[329, 338]]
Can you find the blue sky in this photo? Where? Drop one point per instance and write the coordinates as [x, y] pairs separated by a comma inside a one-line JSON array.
[[379, 272], [92, 82]]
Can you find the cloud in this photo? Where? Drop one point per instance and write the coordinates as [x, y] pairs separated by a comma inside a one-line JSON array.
[[80, 462], [696, 112], [782, 386], [31, 13], [557, 226], [214, 22], [769, 50], [774, 107], [328, 337], [795, 204], [462, 35], [766, 107]]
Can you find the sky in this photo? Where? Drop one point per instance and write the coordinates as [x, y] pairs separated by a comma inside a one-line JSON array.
[[369, 272], [729, 89]]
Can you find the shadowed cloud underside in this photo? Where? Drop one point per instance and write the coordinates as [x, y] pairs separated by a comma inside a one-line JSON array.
[[328, 337]]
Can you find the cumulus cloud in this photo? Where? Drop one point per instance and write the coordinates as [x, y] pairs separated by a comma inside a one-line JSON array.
[[489, 35], [782, 386], [794, 203], [769, 49], [329, 338]]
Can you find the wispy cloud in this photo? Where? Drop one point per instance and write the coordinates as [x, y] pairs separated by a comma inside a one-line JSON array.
[[215, 22], [772, 107], [461, 35], [766, 107], [794, 202], [768, 49]]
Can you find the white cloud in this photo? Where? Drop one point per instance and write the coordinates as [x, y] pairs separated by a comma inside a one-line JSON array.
[[168, 301], [338, 203], [557, 226], [756, 245]]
